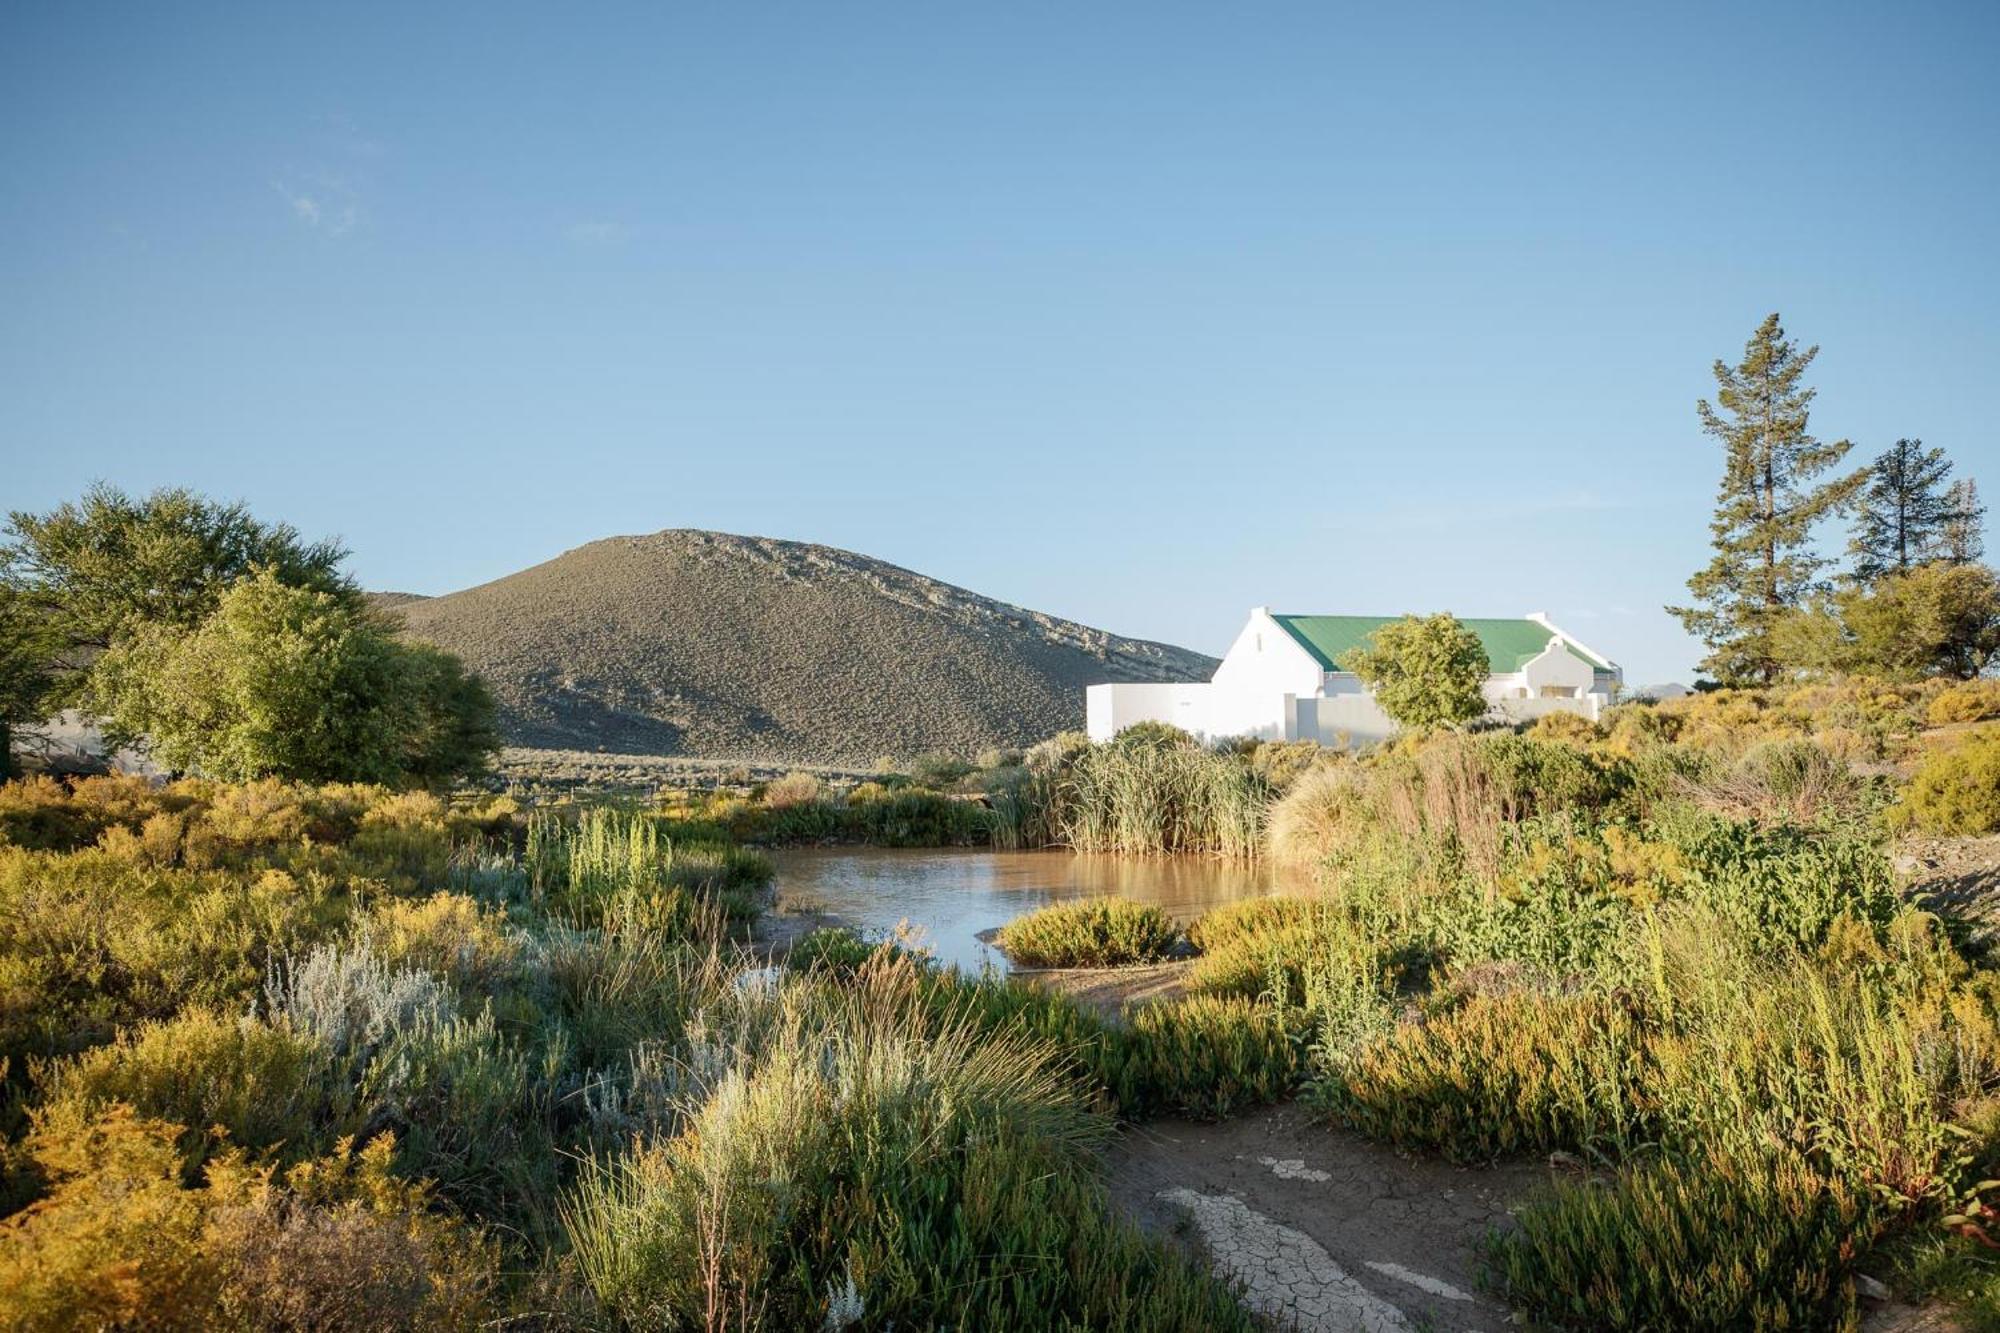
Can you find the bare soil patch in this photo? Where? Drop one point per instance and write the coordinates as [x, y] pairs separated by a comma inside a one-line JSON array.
[[1325, 1229]]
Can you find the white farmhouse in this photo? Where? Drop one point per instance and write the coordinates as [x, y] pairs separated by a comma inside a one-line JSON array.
[[1280, 681]]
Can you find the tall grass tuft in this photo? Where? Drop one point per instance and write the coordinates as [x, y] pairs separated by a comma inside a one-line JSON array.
[[1147, 800], [870, 1158]]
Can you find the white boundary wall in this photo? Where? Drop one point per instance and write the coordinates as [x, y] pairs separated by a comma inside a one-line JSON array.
[[1213, 712]]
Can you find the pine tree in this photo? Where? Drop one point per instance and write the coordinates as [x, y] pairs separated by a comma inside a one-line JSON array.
[[1903, 512], [1964, 541], [1766, 507]]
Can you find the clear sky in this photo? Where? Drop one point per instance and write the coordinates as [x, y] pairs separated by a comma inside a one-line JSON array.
[[1141, 315]]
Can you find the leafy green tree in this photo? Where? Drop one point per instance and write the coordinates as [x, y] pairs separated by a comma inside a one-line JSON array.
[[292, 682], [1425, 671], [1764, 565], [1937, 619], [1964, 540], [28, 649], [107, 566], [1902, 514]]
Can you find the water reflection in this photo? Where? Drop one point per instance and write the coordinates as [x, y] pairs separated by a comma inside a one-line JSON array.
[[954, 895]]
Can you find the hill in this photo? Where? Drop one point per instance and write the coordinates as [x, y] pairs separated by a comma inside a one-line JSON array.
[[704, 644]]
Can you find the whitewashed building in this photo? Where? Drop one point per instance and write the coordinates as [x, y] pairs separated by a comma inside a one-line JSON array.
[[1281, 681]]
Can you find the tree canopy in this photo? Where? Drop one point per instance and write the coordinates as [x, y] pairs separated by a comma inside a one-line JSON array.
[[1904, 512], [293, 682], [223, 644], [1770, 499], [1426, 671]]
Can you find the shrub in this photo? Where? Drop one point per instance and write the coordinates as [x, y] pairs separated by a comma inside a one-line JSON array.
[[448, 934], [352, 1001], [1719, 1242], [89, 943], [1320, 816], [938, 770], [1565, 729], [1792, 780], [266, 1086], [795, 788], [1282, 763], [119, 1242], [1205, 1056], [1261, 946], [835, 951], [1499, 1074], [1967, 701], [1098, 932], [1956, 792], [867, 1158]]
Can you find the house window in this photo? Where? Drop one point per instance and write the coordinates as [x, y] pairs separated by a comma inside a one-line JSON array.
[[1260, 643], [1559, 691]]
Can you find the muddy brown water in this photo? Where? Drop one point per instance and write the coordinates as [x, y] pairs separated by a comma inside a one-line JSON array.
[[953, 896]]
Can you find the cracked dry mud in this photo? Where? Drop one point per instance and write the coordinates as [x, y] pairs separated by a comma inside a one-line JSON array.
[[1325, 1230]]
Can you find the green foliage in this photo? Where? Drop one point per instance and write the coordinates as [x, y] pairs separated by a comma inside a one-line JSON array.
[[1766, 508], [1098, 932], [619, 866], [1425, 671], [295, 683], [1902, 515], [107, 566], [871, 1157], [802, 809], [1720, 1241], [1157, 795], [266, 1086], [1503, 1074], [30, 646], [1206, 1056], [1956, 791]]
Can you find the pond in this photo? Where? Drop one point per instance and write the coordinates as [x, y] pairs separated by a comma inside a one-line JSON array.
[[955, 895]]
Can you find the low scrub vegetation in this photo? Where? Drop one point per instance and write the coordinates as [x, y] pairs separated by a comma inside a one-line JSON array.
[[1956, 790], [1101, 932], [283, 1056], [454, 1062]]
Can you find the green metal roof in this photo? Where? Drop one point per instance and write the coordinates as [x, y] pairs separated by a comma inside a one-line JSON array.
[[1510, 644]]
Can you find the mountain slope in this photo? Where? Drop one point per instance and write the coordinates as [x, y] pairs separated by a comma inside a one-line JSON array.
[[706, 644]]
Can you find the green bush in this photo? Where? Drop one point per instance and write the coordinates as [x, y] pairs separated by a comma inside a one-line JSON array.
[[1097, 932], [268, 1087], [1502, 1074], [1956, 791], [1718, 1242], [1205, 1056], [870, 1160]]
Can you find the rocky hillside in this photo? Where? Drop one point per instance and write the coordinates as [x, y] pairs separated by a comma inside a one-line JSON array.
[[704, 644]]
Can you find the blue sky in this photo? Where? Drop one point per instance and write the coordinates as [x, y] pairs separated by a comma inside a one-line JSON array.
[[1141, 315]]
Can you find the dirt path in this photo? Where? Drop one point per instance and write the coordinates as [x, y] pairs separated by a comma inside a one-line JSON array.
[[1325, 1230]]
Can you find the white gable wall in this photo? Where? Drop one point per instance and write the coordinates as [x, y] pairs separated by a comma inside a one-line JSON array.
[[1266, 659]]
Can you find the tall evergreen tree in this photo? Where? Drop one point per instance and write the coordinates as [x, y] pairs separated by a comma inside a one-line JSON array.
[[1965, 526], [1766, 507], [1903, 511]]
